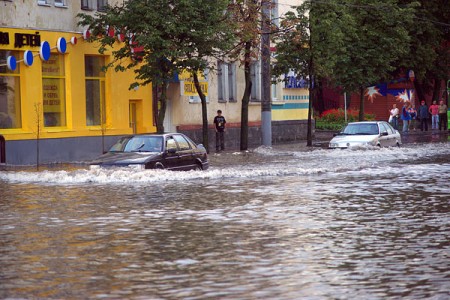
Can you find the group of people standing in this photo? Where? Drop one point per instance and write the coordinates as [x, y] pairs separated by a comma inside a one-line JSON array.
[[409, 114]]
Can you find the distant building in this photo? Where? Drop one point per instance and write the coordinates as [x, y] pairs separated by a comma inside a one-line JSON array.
[[52, 86]]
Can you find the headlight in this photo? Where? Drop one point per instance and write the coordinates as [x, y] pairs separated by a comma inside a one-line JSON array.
[[137, 167]]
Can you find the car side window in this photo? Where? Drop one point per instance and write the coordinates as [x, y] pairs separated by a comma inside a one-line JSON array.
[[171, 144], [383, 128], [182, 142], [390, 130]]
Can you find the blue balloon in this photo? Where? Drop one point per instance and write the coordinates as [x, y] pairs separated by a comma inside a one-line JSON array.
[[44, 52], [61, 45], [11, 62], [28, 58]]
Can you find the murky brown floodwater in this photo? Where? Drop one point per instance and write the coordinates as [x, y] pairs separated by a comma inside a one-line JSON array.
[[276, 224]]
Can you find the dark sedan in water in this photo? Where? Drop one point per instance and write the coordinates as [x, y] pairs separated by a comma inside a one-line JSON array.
[[172, 151]]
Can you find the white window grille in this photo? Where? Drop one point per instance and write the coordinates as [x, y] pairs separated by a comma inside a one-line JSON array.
[[255, 75], [226, 81]]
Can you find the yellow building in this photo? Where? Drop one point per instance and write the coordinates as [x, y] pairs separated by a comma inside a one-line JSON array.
[[53, 89]]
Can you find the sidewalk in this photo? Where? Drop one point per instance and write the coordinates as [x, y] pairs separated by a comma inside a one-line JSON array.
[[321, 139]]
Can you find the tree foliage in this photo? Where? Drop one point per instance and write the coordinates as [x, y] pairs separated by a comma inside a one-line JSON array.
[[164, 37], [246, 15], [354, 43]]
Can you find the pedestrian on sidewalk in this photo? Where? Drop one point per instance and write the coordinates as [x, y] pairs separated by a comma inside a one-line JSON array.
[[434, 111], [405, 116], [413, 112], [443, 119], [219, 122], [393, 118], [422, 114]]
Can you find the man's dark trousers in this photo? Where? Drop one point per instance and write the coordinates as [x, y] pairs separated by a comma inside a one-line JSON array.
[[220, 143]]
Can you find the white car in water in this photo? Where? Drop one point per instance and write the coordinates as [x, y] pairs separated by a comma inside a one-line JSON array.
[[367, 133]]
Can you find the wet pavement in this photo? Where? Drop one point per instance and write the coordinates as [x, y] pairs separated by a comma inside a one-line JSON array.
[[286, 222]]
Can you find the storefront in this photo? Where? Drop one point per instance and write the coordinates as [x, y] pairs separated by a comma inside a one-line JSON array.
[[53, 89]]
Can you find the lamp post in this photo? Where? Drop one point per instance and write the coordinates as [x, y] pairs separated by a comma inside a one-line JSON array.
[[266, 103]]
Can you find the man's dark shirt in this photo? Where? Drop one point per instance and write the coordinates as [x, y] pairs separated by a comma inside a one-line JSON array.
[[219, 121]]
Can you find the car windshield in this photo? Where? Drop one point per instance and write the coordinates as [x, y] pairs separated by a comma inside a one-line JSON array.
[[361, 129], [138, 144]]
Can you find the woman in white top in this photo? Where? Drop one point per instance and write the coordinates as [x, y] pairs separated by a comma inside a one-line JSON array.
[[393, 118]]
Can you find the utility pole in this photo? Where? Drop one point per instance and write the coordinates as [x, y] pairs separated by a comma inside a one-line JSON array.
[[266, 103]]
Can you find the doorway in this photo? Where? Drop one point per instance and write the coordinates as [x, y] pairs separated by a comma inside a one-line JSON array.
[[2, 150], [135, 115]]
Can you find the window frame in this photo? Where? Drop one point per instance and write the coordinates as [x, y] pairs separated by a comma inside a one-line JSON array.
[[86, 4], [226, 81], [101, 5], [60, 3], [43, 2], [63, 123], [255, 76], [102, 92], [16, 75]]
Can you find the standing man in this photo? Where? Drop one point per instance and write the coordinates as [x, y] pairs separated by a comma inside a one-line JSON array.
[[406, 116], [219, 122], [443, 115], [422, 114], [434, 111]]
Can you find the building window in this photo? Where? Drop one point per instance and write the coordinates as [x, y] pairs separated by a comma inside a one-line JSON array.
[[274, 17], [54, 88], [274, 91], [255, 76], [10, 108], [60, 3], [95, 90], [86, 4], [44, 2], [226, 81], [101, 5]]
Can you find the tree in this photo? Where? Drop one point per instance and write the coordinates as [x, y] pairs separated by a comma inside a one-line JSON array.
[[246, 15], [308, 48], [375, 36], [429, 52], [164, 37]]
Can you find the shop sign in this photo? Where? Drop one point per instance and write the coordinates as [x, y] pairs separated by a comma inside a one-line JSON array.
[[21, 39], [293, 82], [190, 90]]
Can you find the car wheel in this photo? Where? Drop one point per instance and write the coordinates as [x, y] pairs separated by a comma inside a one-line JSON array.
[[398, 145], [159, 166], [198, 167]]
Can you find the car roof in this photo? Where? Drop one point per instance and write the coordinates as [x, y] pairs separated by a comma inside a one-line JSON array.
[[155, 134], [365, 122]]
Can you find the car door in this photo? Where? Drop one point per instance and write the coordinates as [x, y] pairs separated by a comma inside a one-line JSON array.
[[393, 135], [185, 152], [385, 140], [171, 158]]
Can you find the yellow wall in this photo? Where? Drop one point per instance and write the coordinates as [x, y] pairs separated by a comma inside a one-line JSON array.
[[292, 106], [117, 93]]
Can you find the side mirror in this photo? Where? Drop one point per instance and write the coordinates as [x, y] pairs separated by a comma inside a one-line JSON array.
[[172, 151], [384, 133]]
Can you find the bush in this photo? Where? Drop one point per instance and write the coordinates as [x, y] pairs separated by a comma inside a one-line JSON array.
[[334, 119]]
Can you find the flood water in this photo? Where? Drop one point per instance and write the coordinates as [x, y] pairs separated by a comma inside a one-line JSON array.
[[271, 224]]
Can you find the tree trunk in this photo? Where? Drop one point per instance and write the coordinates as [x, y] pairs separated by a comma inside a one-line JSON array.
[[246, 98], [319, 102], [419, 91], [204, 111], [162, 101], [436, 89], [361, 103]]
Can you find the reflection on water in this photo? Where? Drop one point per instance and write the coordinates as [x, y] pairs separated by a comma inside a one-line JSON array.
[[365, 224]]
